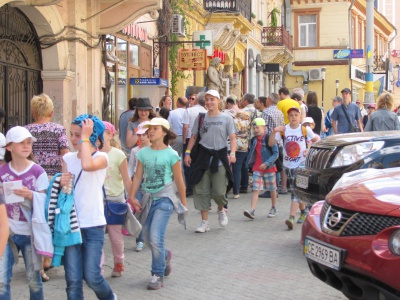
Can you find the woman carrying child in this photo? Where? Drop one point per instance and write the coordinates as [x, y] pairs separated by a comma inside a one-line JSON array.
[[89, 167], [157, 165]]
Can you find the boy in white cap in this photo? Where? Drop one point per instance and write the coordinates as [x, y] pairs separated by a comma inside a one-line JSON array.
[[294, 137], [262, 160]]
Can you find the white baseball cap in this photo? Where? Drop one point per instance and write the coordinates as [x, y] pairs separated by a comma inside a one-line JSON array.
[[17, 134], [158, 121], [308, 120], [141, 129], [213, 93]]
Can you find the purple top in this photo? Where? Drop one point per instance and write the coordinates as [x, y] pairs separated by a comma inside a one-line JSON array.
[[51, 139]]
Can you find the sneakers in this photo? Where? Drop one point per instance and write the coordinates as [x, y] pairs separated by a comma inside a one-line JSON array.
[[168, 265], [115, 296], [290, 222], [302, 217], [118, 270], [139, 247], [282, 191], [272, 212], [249, 214], [236, 196], [155, 283], [204, 227], [222, 218]]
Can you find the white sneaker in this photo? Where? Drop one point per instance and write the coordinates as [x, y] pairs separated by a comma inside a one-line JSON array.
[[204, 227], [222, 218], [236, 196]]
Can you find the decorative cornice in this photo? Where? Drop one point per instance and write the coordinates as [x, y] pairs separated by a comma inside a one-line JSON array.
[[225, 35], [278, 55], [58, 75]]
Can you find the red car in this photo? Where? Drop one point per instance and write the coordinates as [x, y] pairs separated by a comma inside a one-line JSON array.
[[352, 239]]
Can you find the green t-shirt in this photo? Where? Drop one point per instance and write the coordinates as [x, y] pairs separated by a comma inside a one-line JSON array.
[[113, 183], [157, 167]]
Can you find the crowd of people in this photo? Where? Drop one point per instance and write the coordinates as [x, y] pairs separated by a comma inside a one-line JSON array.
[[204, 148]]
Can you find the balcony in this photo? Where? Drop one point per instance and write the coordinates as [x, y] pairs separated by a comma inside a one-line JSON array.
[[276, 36], [241, 6], [278, 45]]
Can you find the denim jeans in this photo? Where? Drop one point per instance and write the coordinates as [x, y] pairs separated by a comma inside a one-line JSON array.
[[23, 243], [139, 197], [154, 233], [237, 170], [244, 181], [83, 262]]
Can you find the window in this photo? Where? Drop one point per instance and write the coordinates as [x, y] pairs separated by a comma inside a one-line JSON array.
[[308, 30], [133, 55], [360, 35]]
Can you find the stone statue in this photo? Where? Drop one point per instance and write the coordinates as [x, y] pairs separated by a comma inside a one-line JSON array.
[[213, 76]]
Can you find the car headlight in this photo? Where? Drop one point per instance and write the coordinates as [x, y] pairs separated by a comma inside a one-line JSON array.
[[353, 153], [394, 242]]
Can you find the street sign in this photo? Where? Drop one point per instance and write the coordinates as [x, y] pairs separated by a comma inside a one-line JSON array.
[[207, 37], [149, 81], [192, 59], [348, 53]]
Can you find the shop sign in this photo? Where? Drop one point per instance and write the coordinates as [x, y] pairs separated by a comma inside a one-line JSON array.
[[221, 54], [192, 59], [136, 32], [396, 53], [348, 53], [204, 40], [149, 81]]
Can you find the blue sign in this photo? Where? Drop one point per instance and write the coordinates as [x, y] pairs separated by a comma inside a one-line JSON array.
[[348, 53], [149, 81]]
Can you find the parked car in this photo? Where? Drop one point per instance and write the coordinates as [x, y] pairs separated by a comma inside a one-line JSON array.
[[352, 239], [328, 159]]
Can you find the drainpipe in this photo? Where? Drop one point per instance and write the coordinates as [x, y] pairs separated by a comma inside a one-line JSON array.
[[350, 42], [299, 73]]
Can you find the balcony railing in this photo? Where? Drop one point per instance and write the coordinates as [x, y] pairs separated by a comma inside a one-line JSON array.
[[241, 6], [276, 36]]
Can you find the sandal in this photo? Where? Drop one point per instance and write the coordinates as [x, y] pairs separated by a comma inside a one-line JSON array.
[[44, 276]]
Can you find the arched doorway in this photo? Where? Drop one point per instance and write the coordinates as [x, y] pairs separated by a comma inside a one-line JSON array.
[[20, 66]]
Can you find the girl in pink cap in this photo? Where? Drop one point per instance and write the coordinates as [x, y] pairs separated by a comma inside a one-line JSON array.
[[117, 178]]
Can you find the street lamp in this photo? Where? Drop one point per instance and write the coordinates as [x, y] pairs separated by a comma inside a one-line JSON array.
[[337, 86], [323, 76]]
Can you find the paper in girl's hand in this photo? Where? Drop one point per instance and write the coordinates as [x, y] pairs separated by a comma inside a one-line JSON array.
[[8, 188]]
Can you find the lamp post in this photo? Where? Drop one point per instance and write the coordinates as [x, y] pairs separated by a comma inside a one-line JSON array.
[[337, 86], [323, 76]]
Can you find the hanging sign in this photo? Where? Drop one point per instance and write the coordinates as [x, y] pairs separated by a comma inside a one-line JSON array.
[[348, 53], [192, 59]]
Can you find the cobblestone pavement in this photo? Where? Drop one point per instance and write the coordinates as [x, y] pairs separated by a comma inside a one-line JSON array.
[[249, 259]]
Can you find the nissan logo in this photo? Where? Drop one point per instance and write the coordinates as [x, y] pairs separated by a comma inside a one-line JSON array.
[[335, 219]]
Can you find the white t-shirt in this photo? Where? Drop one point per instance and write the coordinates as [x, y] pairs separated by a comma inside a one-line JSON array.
[[294, 145], [88, 191]]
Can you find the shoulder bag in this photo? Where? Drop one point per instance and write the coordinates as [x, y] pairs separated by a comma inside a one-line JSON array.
[[114, 212], [195, 148], [352, 128]]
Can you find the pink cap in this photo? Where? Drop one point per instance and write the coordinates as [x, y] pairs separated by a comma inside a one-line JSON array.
[[110, 127]]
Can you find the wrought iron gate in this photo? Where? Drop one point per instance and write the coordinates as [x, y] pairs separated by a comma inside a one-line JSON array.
[[20, 66]]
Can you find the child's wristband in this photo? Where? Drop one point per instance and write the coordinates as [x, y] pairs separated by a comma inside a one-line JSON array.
[[83, 140]]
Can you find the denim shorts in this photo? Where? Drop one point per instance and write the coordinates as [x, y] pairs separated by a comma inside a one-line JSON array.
[[264, 181]]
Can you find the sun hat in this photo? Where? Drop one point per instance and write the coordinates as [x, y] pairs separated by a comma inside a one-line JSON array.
[[17, 134], [259, 122], [143, 103], [98, 127], [213, 93], [141, 129], [158, 121], [110, 127], [308, 120], [372, 105], [337, 99], [293, 108]]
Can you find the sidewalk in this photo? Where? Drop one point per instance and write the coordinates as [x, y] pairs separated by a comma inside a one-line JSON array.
[[257, 259]]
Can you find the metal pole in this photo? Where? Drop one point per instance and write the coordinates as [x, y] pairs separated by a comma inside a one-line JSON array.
[[369, 77], [337, 86]]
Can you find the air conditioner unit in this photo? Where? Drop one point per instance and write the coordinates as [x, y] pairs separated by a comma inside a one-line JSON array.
[[178, 25], [315, 74]]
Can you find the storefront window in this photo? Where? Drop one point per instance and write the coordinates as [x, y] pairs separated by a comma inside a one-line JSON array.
[[122, 76], [133, 55]]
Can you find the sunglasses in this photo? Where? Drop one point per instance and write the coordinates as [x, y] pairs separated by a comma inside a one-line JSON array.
[[192, 98]]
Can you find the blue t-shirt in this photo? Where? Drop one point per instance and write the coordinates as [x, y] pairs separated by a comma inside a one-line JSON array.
[[157, 167], [353, 111]]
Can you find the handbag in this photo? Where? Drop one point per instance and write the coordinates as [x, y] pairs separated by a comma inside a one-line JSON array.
[[352, 128], [114, 212], [195, 148]]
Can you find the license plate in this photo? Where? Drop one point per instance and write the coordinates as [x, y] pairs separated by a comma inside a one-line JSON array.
[[302, 181], [323, 253]]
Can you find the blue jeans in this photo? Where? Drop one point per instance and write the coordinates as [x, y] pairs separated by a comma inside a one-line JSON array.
[[23, 243], [154, 233], [83, 262], [238, 170], [139, 197]]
